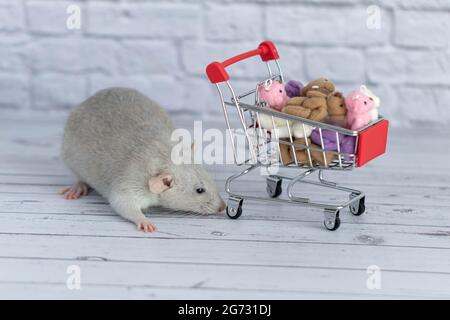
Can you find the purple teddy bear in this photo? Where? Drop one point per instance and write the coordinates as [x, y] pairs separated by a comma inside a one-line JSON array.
[[293, 88], [346, 143]]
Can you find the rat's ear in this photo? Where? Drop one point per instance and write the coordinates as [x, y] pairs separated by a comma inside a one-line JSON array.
[[160, 182]]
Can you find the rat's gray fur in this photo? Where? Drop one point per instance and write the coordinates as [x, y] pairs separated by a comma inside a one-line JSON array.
[[118, 139]]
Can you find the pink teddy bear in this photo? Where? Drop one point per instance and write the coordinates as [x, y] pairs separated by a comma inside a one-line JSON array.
[[274, 94], [359, 107]]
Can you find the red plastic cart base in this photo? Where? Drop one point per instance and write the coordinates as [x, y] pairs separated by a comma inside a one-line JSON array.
[[372, 142]]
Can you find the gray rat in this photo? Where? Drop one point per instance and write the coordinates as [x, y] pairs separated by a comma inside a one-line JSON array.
[[118, 143]]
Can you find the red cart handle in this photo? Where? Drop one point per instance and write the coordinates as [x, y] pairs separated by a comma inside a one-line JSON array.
[[216, 70]]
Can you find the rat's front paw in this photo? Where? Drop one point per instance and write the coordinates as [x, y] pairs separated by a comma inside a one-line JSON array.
[[146, 226]]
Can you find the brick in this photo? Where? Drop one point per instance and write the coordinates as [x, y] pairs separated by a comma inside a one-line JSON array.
[[291, 61], [14, 93], [234, 22], [46, 17], [386, 65], [73, 55], [143, 20], [418, 106], [51, 91], [421, 28], [141, 83], [407, 66], [390, 107], [345, 87], [442, 97], [343, 65], [324, 25], [11, 16], [201, 97], [147, 57], [14, 38], [416, 4], [12, 58], [168, 92], [98, 82], [321, 2], [163, 89], [196, 56]]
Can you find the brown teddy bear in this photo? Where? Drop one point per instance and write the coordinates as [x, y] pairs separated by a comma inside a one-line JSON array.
[[318, 102], [337, 110], [286, 153], [313, 103], [313, 106], [322, 85], [301, 153]]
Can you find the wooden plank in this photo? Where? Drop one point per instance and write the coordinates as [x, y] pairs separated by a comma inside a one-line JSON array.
[[237, 278], [425, 195], [428, 195], [410, 184], [47, 291], [244, 230], [388, 209], [224, 252], [371, 175]]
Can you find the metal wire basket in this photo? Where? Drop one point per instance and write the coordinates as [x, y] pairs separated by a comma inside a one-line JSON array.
[[268, 135]]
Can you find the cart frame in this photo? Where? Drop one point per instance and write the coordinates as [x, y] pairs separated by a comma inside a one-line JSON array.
[[370, 142]]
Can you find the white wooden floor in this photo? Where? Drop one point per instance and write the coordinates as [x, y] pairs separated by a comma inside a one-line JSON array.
[[274, 251]]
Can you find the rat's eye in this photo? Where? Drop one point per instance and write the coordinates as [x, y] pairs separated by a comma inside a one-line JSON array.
[[341, 105], [281, 91], [365, 102], [200, 190]]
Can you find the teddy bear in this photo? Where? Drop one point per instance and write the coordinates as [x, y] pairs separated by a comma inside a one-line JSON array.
[[285, 151], [313, 102], [286, 154], [273, 93], [319, 102], [313, 106], [322, 85], [337, 111], [294, 88], [346, 143], [359, 108], [301, 153], [376, 101], [335, 102]]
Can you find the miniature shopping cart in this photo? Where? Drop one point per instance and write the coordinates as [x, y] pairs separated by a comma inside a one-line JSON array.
[[262, 147]]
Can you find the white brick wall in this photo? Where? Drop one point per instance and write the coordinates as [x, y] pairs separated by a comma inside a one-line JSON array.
[[162, 47]]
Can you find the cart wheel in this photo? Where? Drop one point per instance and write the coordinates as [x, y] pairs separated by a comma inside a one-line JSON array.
[[359, 207], [332, 224], [274, 186], [232, 214], [234, 208]]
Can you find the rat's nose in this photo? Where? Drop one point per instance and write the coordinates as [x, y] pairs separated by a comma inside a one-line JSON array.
[[222, 206]]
